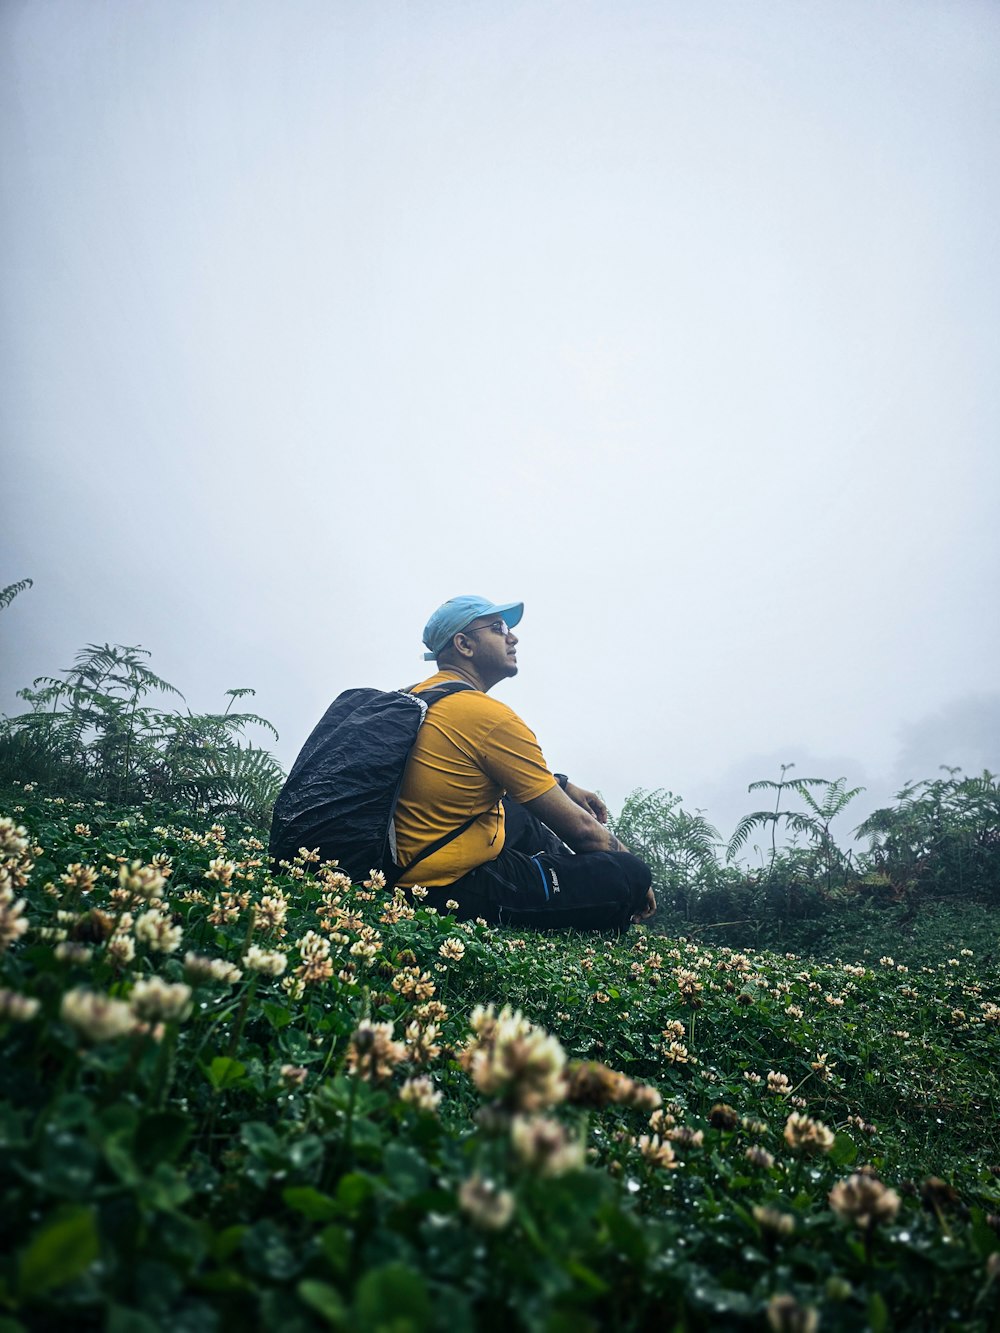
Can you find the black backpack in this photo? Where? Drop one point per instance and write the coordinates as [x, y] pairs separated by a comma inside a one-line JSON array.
[[341, 794]]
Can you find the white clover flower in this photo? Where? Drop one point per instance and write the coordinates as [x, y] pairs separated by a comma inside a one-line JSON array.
[[313, 947], [809, 1136], [17, 1008], [773, 1220], [270, 962], [69, 951], [864, 1201], [372, 1053], [142, 881], [453, 950], [221, 870], [155, 929], [686, 1137], [13, 922], [199, 968], [759, 1156], [515, 1060], [271, 911], [96, 1017], [14, 838], [153, 998], [656, 1152], [121, 949], [485, 1205], [422, 1041], [786, 1315], [421, 1093], [544, 1146]]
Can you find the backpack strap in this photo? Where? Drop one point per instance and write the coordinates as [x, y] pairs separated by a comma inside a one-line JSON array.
[[430, 697], [439, 843], [438, 692]]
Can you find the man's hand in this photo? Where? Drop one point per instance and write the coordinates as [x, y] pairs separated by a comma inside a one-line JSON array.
[[649, 907], [589, 800]]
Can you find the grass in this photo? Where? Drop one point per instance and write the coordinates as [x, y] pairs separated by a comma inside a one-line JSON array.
[[318, 1125]]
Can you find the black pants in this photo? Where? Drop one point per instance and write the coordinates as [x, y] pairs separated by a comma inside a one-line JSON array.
[[538, 883]]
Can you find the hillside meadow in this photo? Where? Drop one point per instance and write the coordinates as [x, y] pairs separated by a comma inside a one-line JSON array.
[[232, 1099]]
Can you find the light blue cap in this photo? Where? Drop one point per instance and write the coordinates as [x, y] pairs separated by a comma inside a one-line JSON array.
[[455, 614]]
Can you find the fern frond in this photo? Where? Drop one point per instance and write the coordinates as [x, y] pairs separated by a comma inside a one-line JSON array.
[[121, 664], [745, 827], [243, 781], [878, 822], [238, 694], [847, 796], [8, 594], [241, 720], [799, 822]]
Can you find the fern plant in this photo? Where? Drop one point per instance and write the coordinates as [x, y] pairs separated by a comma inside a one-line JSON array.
[[205, 761], [97, 729], [93, 716], [678, 845], [942, 837], [813, 822]]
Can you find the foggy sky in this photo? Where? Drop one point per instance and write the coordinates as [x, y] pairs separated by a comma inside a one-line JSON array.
[[678, 321]]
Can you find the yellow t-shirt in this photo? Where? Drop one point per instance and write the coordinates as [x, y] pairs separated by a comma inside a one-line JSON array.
[[469, 752]]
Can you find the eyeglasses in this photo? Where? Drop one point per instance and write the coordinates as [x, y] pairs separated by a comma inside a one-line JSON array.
[[497, 627]]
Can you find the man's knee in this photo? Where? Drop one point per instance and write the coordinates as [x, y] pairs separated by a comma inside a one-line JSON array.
[[620, 875], [632, 880], [637, 876]]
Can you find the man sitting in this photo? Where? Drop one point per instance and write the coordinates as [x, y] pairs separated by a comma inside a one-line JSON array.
[[475, 757]]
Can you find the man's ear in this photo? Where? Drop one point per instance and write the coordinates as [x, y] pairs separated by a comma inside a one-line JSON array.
[[465, 647]]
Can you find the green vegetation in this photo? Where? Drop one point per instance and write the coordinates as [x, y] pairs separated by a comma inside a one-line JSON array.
[[934, 855], [93, 731], [230, 1098], [236, 1098]]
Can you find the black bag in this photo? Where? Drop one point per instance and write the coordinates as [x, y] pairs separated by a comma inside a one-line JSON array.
[[341, 794]]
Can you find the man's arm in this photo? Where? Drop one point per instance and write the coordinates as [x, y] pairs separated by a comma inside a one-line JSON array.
[[580, 830], [588, 799], [573, 823]]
